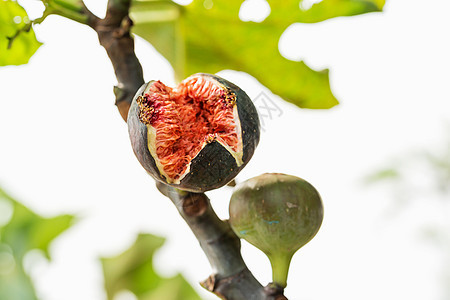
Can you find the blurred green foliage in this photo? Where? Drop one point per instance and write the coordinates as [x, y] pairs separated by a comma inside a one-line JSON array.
[[204, 36], [133, 271], [21, 230], [421, 178], [413, 175], [14, 24], [208, 36]]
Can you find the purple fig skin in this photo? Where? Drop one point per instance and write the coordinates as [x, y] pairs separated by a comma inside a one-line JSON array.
[[214, 166]]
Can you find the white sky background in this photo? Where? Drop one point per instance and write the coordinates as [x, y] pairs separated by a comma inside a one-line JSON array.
[[65, 149]]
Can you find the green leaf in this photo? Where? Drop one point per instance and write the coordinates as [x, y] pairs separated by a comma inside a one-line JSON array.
[[27, 231], [17, 39], [288, 12], [216, 39], [133, 271], [14, 282], [160, 24], [21, 230]]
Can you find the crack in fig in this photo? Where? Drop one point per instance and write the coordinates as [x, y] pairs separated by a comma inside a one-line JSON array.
[[182, 120]]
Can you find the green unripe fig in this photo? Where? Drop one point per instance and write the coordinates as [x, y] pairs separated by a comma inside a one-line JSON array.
[[278, 214]]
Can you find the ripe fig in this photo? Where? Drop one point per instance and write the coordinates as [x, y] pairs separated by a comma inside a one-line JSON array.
[[278, 214], [195, 137]]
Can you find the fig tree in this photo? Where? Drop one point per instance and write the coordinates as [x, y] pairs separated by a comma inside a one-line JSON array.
[[278, 214], [195, 137]]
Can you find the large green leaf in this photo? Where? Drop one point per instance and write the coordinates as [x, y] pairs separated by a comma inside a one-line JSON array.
[[288, 12], [21, 230], [133, 271], [17, 39], [216, 39]]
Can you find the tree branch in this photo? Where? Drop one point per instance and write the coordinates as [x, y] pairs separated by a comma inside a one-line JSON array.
[[231, 279], [114, 35]]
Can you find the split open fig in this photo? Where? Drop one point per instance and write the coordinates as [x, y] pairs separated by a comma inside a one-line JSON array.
[[197, 136], [278, 214]]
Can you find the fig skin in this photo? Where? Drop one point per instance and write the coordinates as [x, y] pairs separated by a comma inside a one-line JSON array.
[[278, 214], [214, 166]]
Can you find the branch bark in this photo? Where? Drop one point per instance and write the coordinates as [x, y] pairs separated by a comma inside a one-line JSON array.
[[231, 279], [114, 35]]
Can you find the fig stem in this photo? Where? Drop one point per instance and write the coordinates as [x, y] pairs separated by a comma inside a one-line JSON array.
[[280, 267]]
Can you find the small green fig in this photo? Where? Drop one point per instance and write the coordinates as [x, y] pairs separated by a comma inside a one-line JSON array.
[[278, 214]]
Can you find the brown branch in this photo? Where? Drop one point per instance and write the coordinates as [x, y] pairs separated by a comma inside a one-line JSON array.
[[231, 279], [114, 35]]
